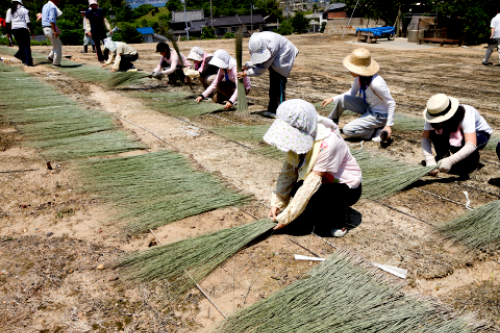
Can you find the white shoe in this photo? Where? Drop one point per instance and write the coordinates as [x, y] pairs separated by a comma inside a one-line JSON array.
[[339, 232], [376, 136]]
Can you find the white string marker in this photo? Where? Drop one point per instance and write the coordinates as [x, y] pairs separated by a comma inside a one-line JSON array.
[[468, 200]]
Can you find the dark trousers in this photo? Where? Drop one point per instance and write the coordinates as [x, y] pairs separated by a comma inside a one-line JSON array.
[[22, 37], [498, 150], [467, 165], [98, 37], [277, 87], [177, 77], [126, 61], [326, 210]]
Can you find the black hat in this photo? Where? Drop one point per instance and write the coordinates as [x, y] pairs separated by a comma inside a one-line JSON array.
[[161, 47]]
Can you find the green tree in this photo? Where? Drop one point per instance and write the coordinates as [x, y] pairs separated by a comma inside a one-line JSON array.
[[174, 5], [229, 35], [323, 27], [300, 23], [271, 8], [143, 10], [207, 33], [285, 28], [128, 34]]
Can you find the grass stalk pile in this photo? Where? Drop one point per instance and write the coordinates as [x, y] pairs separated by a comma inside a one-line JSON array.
[[242, 96], [156, 189], [404, 123], [123, 79], [243, 133], [87, 73], [343, 294], [270, 152], [40, 58], [478, 228], [492, 144], [197, 256], [173, 95]]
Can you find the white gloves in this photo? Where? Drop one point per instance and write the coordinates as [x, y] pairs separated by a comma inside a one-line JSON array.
[[157, 75], [427, 150], [447, 163]]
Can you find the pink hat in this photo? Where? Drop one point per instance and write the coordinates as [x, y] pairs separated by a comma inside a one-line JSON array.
[[92, 2]]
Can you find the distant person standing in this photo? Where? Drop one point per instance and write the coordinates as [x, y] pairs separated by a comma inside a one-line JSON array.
[[494, 41], [86, 39], [273, 52], [50, 12], [18, 23], [2, 26], [95, 26]]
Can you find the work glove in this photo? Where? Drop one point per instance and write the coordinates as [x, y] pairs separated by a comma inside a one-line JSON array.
[[427, 150], [157, 75], [447, 163]]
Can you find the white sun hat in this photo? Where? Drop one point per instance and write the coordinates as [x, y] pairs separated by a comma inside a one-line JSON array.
[[20, 1], [223, 60], [295, 127], [92, 2], [196, 54], [440, 108], [259, 52], [360, 62], [110, 45]]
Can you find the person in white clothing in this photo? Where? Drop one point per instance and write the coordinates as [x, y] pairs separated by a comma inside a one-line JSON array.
[[170, 65], [201, 60], [50, 13], [457, 132], [375, 104], [494, 41], [19, 24], [225, 85], [86, 39], [273, 52], [122, 54]]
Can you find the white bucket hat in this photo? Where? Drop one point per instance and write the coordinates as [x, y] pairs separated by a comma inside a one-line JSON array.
[[440, 108], [92, 2], [110, 45], [360, 62], [196, 54], [223, 60], [258, 49], [20, 1], [295, 127]]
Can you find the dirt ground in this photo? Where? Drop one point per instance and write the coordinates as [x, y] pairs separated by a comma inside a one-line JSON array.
[[54, 237]]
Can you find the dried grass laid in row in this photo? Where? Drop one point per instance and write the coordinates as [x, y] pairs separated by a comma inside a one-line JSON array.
[[343, 294], [197, 256], [156, 189], [405, 123], [185, 108], [123, 79], [492, 144], [478, 228], [41, 58], [87, 73], [243, 133]]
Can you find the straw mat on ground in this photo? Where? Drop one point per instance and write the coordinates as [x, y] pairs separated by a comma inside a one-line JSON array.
[[123, 79], [243, 133]]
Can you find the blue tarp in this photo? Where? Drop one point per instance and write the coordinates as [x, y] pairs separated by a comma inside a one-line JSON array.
[[378, 31]]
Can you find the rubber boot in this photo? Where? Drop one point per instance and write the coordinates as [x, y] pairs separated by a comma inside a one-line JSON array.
[[93, 49], [85, 49]]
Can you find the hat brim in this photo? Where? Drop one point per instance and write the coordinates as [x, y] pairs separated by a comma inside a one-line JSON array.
[[194, 56], [287, 138], [439, 119], [218, 63], [260, 57], [370, 70]]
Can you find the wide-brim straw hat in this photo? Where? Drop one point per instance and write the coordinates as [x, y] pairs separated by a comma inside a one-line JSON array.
[[360, 62], [295, 127], [440, 108]]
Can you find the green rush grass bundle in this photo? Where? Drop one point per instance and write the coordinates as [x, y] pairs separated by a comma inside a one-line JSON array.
[[243, 133], [242, 96], [492, 144], [478, 228], [41, 58], [343, 294], [87, 73], [156, 189], [270, 152], [185, 108], [119, 80], [404, 123], [197, 256], [174, 95]]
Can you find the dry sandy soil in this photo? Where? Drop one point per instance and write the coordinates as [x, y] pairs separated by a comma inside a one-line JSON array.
[[56, 284]]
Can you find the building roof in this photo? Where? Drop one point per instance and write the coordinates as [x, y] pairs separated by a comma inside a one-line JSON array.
[[226, 21], [249, 19], [192, 15], [335, 6], [146, 31], [197, 25]]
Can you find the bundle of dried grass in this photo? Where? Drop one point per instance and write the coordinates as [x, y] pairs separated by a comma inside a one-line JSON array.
[[156, 189], [479, 228], [243, 133], [405, 123], [343, 294], [185, 108], [123, 79], [492, 144], [87, 73], [242, 96], [270, 152], [197, 256]]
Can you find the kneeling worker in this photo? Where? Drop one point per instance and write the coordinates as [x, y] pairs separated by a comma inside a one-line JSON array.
[[123, 55], [225, 85]]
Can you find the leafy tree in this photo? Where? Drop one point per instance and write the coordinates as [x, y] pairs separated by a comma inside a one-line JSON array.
[[285, 28], [174, 5], [207, 33], [271, 8], [128, 34], [300, 23], [229, 35], [323, 27], [143, 10]]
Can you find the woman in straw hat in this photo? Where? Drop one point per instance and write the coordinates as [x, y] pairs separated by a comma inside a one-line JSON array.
[[319, 172], [225, 85], [201, 60], [375, 104], [170, 65], [95, 26], [453, 128], [273, 52]]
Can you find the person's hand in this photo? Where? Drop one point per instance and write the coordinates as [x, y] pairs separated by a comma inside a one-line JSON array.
[[242, 74], [199, 99], [244, 68], [279, 226], [326, 102], [388, 129], [445, 165], [89, 34], [103, 65], [228, 106], [112, 70], [56, 34], [273, 213], [110, 32], [434, 173]]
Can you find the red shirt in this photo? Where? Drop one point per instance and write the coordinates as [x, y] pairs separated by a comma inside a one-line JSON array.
[[2, 22]]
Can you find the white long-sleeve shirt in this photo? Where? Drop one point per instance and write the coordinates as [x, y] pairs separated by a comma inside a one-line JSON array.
[[121, 49], [283, 54], [378, 97], [174, 61]]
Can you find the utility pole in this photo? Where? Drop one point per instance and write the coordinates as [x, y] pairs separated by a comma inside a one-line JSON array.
[[211, 15], [186, 19], [251, 17]]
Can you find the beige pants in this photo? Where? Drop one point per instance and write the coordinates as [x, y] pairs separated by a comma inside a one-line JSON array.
[[56, 52]]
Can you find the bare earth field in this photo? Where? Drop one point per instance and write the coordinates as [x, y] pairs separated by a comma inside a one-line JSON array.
[[58, 249]]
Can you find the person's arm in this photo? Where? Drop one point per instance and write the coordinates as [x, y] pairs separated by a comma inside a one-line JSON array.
[[86, 23], [284, 185], [8, 26], [53, 21], [381, 90], [351, 92], [211, 88], [492, 32], [467, 149], [174, 59], [233, 98], [108, 26]]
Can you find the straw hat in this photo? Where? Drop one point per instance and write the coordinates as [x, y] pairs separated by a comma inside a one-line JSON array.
[[440, 108], [223, 60], [295, 127], [196, 54], [258, 49], [360, 62]]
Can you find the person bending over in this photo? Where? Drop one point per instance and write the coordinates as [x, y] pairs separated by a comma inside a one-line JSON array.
[[201, 60], [170, 65], [225, 85], [375, 103], [457, 132], [122, 54], [320, 178]]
